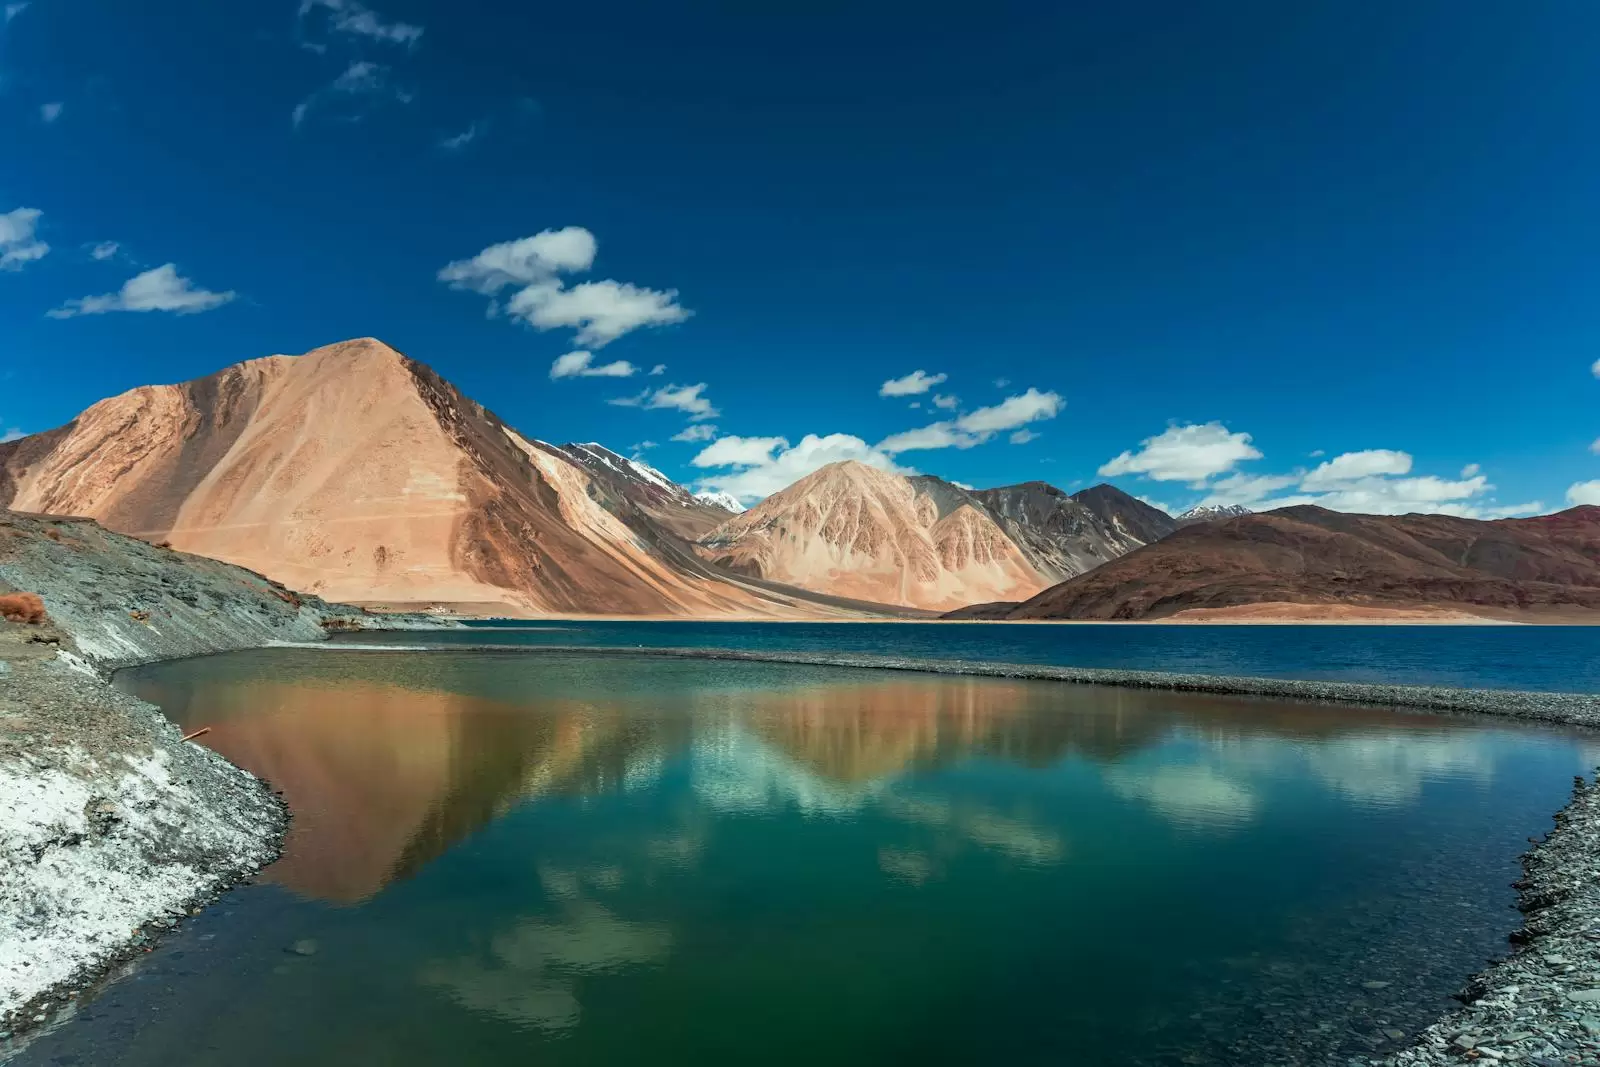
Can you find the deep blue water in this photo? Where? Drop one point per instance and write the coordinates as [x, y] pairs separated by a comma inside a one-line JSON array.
[[1548, 658]]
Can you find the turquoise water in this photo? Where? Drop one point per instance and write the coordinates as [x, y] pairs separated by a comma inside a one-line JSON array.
[[1549, 658], [567, 859]]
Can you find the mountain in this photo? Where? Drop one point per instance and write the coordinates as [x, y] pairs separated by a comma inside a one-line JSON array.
[[855, 531], [1061, 536], [718, 499], [662, 499], [1306, 562], [1214, 513], [1131, 521], [357, 474]]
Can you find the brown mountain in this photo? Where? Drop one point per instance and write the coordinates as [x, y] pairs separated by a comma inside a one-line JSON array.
[[1309, 562], [855, 531], [360, 475], [850, 530]]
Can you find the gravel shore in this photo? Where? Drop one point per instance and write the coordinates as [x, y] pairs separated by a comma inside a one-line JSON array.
[[112, 827]]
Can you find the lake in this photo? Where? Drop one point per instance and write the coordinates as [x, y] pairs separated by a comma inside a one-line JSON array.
[[566, 859], [1547, 658]]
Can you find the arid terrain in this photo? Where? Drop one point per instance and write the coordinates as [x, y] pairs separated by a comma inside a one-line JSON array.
[[1311, 564]]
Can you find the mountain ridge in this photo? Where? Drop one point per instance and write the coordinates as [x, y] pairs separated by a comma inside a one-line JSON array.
[[356, 472], [1300, 561]]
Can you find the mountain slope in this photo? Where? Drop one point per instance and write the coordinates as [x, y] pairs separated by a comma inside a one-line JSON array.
[[358, 474], [1311, 556], [1061, 536], [1131, 522], [856, 531]]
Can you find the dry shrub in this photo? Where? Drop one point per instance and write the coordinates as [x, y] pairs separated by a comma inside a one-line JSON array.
[[22, 607], [53, 534], [139, 616]]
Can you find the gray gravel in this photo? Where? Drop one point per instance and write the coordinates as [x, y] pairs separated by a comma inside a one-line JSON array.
[[112, 828]]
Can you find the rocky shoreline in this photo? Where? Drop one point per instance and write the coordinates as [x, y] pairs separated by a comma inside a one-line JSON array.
[[113, 827], [1541, 1005]]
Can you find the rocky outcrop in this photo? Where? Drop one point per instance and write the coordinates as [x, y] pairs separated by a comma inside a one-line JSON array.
[[355, 473], [1311, 556]]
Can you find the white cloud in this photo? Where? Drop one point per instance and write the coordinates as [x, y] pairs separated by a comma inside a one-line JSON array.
[[946, 401], [1380, 495], [532, 260], [599, 312], [18, 243], [912, 384], [1594, 368], [659, 368], [51, 111], [1351, 466], [1242, 488], [1470, 469], [976, 427], [1189, 453], [580, 364], [764, 465], [459, 141], [1011, 412], [684, 398], [1022, 437], [1594, 446], [1584, 493], [642, 446], [354, 20], [934, 435], [700, 431], [13, 10], [1001, 383], [12, 434], [105, 250], [361, 81], [160, 289], [739, 451]]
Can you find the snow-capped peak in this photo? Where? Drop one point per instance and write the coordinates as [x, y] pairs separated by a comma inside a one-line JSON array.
[[726, 501], [1213, 513]]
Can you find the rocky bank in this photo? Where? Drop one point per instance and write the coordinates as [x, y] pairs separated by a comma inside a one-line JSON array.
[[112, 827]]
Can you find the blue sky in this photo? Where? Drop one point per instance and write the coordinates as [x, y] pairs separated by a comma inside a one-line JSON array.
[[1252, 252]]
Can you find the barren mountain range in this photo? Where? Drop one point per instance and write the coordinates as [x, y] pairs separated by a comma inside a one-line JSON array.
[[358, 474], [1308, 562], [859, 532]]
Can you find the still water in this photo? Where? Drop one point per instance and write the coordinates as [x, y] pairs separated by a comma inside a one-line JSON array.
[[566, 859], [1546, 658]]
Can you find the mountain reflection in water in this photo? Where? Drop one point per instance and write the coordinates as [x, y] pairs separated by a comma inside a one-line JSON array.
[[386, 760]]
